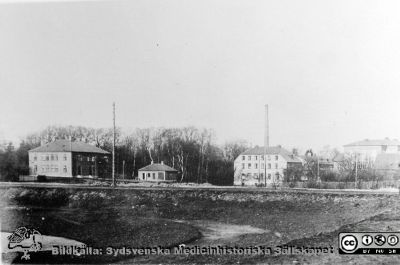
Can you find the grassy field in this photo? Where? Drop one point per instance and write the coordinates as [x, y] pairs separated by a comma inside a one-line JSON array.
[[143, 218]]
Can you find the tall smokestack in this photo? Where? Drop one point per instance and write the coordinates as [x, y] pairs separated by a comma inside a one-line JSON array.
[[266, 133]]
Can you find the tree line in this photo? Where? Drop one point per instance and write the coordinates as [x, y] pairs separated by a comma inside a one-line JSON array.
[[192, 151]]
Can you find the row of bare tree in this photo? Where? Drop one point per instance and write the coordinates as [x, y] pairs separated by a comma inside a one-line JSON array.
[[190, 150]]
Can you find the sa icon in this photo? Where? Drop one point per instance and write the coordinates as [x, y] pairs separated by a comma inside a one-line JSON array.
[[349, 243], [367, 240]]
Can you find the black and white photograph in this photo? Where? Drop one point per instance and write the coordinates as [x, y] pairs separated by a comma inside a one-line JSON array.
[[199, 132]]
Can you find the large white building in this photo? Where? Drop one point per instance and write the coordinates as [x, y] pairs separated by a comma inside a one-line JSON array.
[[259, 166], [366, 151]]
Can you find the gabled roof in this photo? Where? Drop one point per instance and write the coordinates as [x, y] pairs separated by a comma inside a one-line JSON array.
[[68, 146], [158, 167], [368, 142], [272, 150]]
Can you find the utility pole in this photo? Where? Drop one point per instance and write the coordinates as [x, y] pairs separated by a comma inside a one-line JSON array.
[[113, 148], [355, 179], [266, 143], [123, 169], [318, 178]]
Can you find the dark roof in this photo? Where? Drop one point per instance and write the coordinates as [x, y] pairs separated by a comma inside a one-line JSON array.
[[272, 150], [68, 146], [368, 142], [157, 167]]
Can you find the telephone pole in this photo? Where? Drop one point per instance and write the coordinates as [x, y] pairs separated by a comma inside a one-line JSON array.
[[113, 148], [355, 179], [266, 143]]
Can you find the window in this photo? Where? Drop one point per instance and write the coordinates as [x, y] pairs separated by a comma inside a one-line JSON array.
[[243, 157], [249, 158], [93, 158], [277, 175], [43, 157], [255, 166], [256, 157], [47, 157], [262, 165], [154, 175], [65, 156], [243, 165], [143, 175], [269, 165], [276, 157], [276, 165], [35, 158], [65, 169], [56, 157], [269, 176], [51, 157], [262, 158], [249, 166]]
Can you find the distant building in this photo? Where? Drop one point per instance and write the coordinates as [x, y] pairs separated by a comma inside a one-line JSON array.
[[254, 167], [388, 165], [64, 158], [367, 150], [157, 172]]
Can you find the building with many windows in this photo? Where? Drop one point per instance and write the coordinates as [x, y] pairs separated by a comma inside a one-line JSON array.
[[259, 166], [64, 158]]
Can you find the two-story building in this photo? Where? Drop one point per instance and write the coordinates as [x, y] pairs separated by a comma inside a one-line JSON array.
[[366, 151], [259, 166], [64, 158]]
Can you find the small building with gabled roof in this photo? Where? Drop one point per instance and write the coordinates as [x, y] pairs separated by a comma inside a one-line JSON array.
[[156, 172], [67, 159]]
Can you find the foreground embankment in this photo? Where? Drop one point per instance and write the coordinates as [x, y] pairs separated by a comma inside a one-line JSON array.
[[163, 216]]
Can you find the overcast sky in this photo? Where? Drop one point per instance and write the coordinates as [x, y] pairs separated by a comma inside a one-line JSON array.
[[329, 70]]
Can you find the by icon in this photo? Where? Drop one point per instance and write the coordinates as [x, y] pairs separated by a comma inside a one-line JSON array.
[[367, 240]]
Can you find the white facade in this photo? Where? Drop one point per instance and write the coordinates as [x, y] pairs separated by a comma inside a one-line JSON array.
[[251, 170], [57, 164]]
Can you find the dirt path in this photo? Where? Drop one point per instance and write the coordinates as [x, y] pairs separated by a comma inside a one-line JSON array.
[[214, 233]]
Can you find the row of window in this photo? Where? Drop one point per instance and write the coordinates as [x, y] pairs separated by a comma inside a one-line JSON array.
[[87, 158], [255, 158], [249, 166], [261, 175], [49, 169], [149, 175], [49, 157]]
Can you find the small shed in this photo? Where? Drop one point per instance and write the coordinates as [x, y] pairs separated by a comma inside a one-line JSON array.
[[157, 172]]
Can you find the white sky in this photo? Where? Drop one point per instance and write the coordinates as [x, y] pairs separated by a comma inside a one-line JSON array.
[[329, 70]]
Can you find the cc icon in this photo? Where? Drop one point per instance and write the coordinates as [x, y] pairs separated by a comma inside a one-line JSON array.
[[349, 243]]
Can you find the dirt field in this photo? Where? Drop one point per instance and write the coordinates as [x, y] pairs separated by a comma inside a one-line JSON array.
[[199, 217]]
